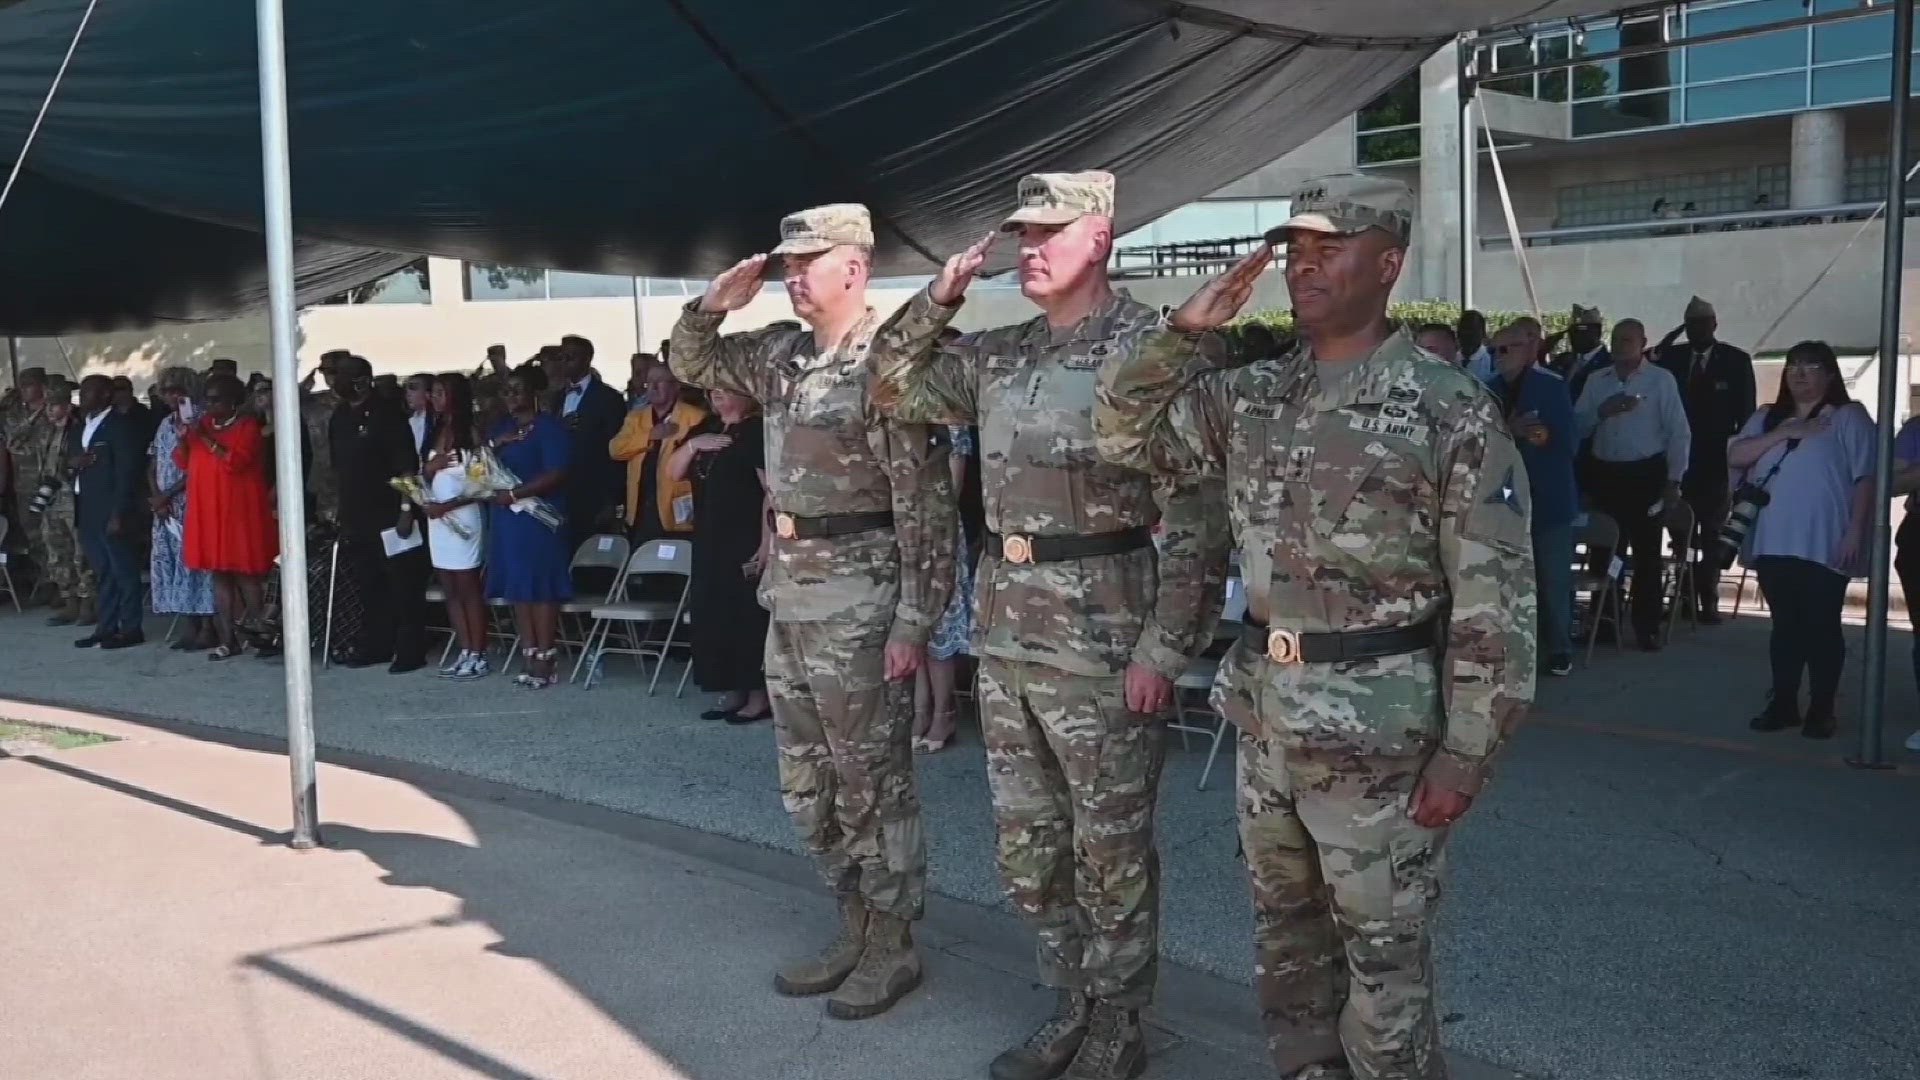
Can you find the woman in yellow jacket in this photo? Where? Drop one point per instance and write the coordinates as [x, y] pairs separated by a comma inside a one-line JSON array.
[[657, 505]]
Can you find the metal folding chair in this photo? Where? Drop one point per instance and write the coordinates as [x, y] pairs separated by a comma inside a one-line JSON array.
[[6, 570], [1604, 603], [605, 551], [664, 557], [1683, 563], [1193, 714]]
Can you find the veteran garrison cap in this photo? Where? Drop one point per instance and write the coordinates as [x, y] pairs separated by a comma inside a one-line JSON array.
[[823, 228], [1061, 198], [1348, 203], [1585, 316]]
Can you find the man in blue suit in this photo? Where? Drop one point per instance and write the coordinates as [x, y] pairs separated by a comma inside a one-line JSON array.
[[107, 462], [1538, 411]]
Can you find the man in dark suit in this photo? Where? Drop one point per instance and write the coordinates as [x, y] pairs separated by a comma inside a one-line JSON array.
[[593, 412], [1716, 385], [1586, 350], [107, 460], [370, 444]]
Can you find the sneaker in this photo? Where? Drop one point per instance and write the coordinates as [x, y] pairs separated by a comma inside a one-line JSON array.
[[1562, 664], [1913, 741], [476, 667], [452, 670]]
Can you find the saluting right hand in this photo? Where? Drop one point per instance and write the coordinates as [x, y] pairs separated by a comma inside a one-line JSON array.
[[951, 286], [1222, 298], [736, 286]]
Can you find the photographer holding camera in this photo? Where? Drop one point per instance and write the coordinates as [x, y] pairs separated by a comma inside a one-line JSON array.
[[1806, 495]]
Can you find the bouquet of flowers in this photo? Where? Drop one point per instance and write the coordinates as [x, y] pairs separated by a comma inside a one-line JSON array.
[[481, 478]]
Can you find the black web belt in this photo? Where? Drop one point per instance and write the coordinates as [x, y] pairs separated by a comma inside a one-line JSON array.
[[795, 527], [1288, 647], [1021, 548]]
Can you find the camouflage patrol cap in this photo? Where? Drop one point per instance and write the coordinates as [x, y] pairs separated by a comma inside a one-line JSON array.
[[1061, 198], [823, 228], [1346, 204]]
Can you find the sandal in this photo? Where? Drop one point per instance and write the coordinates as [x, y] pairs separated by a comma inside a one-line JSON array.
[[223, 652], [537, 682], [923, 745]]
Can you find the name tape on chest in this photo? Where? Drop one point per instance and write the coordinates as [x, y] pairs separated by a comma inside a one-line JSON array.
[[1391, 427], [1256, 410]]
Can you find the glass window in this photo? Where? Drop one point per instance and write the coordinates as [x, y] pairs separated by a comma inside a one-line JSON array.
[[1629, 75], [1868, 81], [567, 283], [488, 282], [1747, 97], [1853, 39], [1400, 105], [1702, 19], [407, 285], [1381, 147], [1626, 113], [1777, 51], [1553, 84], [1512, 54], [1866, 178]]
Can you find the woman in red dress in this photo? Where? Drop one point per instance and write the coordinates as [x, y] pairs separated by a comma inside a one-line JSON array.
[[230, 528]]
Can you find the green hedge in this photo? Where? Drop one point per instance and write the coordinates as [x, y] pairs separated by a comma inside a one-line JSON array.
[[1263, 333]]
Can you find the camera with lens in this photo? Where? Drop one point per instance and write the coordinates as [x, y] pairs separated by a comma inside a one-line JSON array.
[[1746, 505], [43, 495]]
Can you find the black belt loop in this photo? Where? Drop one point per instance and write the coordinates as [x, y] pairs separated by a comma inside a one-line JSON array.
[[795, 527], [1020, 548], [1287, 647]]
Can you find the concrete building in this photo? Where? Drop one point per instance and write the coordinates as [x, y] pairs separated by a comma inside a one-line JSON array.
[[1736, 170]]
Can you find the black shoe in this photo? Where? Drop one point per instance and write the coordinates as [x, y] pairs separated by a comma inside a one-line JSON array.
[[124, 641], [1560, 664], [1648, 642], [1820, 725], [88, 642], [402, 667], [1777, 716], [1711, 618], [355, 660], [742, 718]]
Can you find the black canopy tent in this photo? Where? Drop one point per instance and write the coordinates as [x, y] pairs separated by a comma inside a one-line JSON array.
[[659, 138]]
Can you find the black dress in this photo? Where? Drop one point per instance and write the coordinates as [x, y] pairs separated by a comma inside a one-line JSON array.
[[729, 625]]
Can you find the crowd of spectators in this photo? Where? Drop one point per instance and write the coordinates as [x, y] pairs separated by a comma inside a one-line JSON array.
[[1644, 452], [1658, 442]]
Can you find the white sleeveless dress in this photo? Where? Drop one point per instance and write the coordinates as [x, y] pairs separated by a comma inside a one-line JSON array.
[[448, 549]]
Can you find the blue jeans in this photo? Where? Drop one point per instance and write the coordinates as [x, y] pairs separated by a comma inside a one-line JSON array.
[[1553, 572], [117, 565]]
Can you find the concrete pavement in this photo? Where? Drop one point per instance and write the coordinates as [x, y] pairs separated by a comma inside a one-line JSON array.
[[1647, 890], [157, 929]]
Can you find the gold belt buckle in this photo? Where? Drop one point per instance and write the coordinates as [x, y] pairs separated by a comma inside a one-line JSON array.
[[1283, 646], [1017, 549], [783, 525]]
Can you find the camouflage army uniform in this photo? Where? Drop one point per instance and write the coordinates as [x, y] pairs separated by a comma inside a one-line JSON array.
[[1377, 501], [1075, 773], [846, 768], [20, 429], [57, 548]]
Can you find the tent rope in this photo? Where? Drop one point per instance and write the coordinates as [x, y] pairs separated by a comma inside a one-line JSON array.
[[760, 90], [47, 102]]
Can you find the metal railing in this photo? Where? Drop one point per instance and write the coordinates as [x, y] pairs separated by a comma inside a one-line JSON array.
[[1697, 223], [1189, 258]]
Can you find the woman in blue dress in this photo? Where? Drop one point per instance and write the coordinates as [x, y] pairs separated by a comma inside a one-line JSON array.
[[527, 561], [177, 590]]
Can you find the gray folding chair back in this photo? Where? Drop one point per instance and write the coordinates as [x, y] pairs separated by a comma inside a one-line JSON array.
[[1685, 565], [673, 557], [602, 551], [1603, 589]]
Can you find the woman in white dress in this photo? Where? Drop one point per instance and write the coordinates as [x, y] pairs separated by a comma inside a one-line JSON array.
[[456, 524]]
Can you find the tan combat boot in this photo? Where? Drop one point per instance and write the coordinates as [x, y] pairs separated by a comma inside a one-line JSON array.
[[827, 970], [1116, 1048], [889, 968], [65, 610], [1050, 1049]]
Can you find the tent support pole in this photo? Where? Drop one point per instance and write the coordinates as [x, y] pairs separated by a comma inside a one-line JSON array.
[[13, 359], [1873, 695], [277, 183], [1469, 171]]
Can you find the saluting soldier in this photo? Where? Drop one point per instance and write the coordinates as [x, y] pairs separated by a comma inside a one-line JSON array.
[[57, 525], [862, 565], [1381, 509], [22, 425], [1082, 625]]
